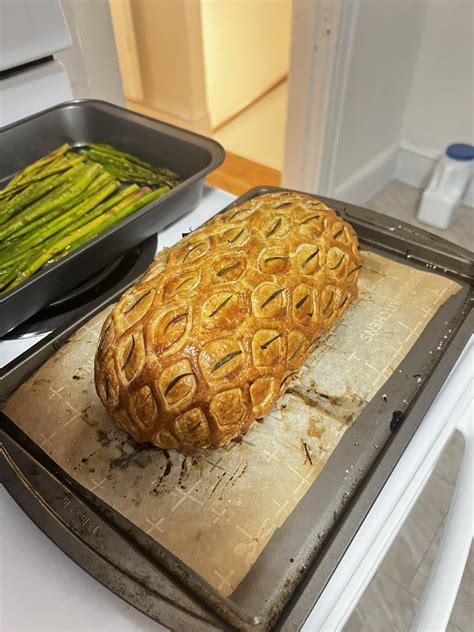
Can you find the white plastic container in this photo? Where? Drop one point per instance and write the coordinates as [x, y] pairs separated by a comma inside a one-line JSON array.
[[449, 183]]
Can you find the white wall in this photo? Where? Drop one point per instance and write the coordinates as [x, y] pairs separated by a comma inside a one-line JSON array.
[[401, 88], [385, 36], [440, 105], [91, 62], [246, 51]]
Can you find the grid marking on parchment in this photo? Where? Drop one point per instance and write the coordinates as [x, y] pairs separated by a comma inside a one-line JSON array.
[[98, 485], [440, 300], [281, 508], [353, 356], [324, 345], [231, 446], [371, 367], [249, 549], [272, 456], [71, 419], [247, 442], [186, 495], [155, 526], [379, 280], [85, 329], [307, 479], [88, 367], [56, 393], [292, 469], [258, 447], [219, 515], [302, 484], [244, 531], [47, 440], [262, 532], [225, 581], [215, 465], [423, 310], [96, 328], [394, 350]]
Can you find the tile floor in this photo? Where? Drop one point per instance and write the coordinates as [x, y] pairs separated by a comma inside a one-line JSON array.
[[401, 201], [258, 133], [391, 599]]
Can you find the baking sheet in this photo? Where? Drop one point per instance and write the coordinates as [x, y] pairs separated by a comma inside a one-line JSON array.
[[217, 510]]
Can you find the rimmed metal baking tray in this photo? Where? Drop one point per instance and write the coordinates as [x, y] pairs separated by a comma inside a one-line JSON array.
[[82, 122], [286, 580]]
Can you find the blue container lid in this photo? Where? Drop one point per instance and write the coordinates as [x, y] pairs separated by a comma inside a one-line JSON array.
[[460, 151]]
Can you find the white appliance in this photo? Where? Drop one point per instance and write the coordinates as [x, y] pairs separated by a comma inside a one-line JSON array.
[[32, 31]]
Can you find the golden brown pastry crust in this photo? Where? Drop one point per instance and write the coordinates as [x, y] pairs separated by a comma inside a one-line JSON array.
[[210, 336]]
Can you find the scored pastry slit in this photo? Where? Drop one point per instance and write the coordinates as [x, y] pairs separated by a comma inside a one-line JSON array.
[[208, 344]]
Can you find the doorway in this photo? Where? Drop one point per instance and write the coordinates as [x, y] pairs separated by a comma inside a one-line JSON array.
[[219, 68]]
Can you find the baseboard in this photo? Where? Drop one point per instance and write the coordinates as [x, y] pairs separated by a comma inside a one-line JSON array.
[[409, 163], [370, 178], [415, 165]]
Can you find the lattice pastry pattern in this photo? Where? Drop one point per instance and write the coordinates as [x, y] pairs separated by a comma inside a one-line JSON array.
[[211, 335]]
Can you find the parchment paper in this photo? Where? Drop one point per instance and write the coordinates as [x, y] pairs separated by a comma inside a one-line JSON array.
[[217, 510]]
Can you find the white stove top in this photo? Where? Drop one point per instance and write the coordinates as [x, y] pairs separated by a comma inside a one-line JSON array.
[[61, 596]]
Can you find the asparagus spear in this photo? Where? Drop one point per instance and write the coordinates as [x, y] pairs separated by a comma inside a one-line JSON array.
[[65, 225], [7, 263], [129, 169], [10, 272], [101, 180], [79, 214], [60, 244], [34, 192], [69, 222], [120, 166], [57, 166], [37, 166], [129, 205], [68, 191], [57, 244], [18, 207], [122, 213], [15, 186], [122, 159], [111, 151], [54, 205]]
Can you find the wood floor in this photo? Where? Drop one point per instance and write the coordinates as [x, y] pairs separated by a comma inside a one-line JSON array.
[[237, 175]]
